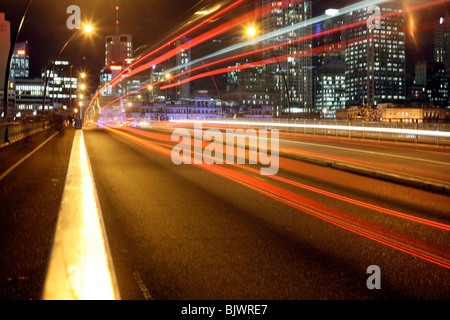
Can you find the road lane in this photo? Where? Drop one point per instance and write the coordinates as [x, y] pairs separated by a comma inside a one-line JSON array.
[[30, 197], [180, 232], [418, 160]]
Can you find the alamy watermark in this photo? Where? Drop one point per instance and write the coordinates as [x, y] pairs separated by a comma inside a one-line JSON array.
[[374, 20], [74, 20], [263, 148], [374, 281]]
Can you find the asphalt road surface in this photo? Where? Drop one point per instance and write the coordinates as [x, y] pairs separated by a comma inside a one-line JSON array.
[[30, 197], [227, 232]]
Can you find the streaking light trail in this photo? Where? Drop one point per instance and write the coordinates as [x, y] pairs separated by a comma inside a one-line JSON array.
[[402, 242], [322, 126]]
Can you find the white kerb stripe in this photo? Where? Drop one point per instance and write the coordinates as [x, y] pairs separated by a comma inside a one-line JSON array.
[[79, 268]]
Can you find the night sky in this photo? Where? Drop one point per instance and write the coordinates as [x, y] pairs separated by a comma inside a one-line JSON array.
[[148, 21]]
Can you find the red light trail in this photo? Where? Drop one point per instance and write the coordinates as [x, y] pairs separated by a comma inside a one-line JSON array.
[[265, 9], [192, 43], [399, 241]]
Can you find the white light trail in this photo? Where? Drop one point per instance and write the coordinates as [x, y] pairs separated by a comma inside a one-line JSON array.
[[277, 33], [430, 133]]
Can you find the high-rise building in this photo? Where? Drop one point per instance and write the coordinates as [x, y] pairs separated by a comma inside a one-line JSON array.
[[330, 88], [63, 84], [329, 38], [296, 72], [441, 41], [330, 62], [118, 54], [431, 76], [5, 43], [29, 94], [181, 60], [375, 56], [118, 49], [20, 63], [441, 46]]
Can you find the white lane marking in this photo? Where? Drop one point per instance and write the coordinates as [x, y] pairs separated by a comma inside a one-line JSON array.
[[79, 267], [8, 171]]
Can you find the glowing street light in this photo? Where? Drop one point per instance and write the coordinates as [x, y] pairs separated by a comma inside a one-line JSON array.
[[251, 31], [88, 28]]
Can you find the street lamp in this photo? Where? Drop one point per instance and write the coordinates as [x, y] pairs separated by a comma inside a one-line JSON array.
[[8, 68], [87, 29]]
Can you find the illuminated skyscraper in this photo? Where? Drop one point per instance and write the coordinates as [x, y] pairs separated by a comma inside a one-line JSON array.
[[296, 72], [431, 75], [118, 54], [330, 62], [375, 56], [63, 85], [118, 49], [20, 64], [441, 41], [182, 59]]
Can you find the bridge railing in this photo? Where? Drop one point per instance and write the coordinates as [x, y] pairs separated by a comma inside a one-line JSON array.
[[14, 131], [427, 133]]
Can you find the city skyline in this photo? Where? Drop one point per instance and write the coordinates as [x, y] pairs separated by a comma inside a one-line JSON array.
[[303, 95], [105, 21]]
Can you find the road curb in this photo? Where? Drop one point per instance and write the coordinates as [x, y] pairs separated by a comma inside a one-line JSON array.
[[80, 266]]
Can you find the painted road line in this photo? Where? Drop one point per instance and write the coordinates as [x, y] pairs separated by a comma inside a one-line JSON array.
[[8, 171], [80, 267]]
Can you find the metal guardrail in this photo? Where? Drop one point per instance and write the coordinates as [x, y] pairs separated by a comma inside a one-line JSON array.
[[427, 133], [17, 130]]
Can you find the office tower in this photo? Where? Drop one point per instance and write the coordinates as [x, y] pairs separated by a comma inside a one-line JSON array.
[[441, 46], [375, 56], [118, 54], [118, 49], [29, 93], [330, 88], [431, 76], [295, 72], [330, 62], [441, 41], [63, 84], [181, 60], [20, 63]]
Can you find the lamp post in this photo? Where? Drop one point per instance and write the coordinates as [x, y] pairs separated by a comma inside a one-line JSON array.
[[8, 68], [87, 29]]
